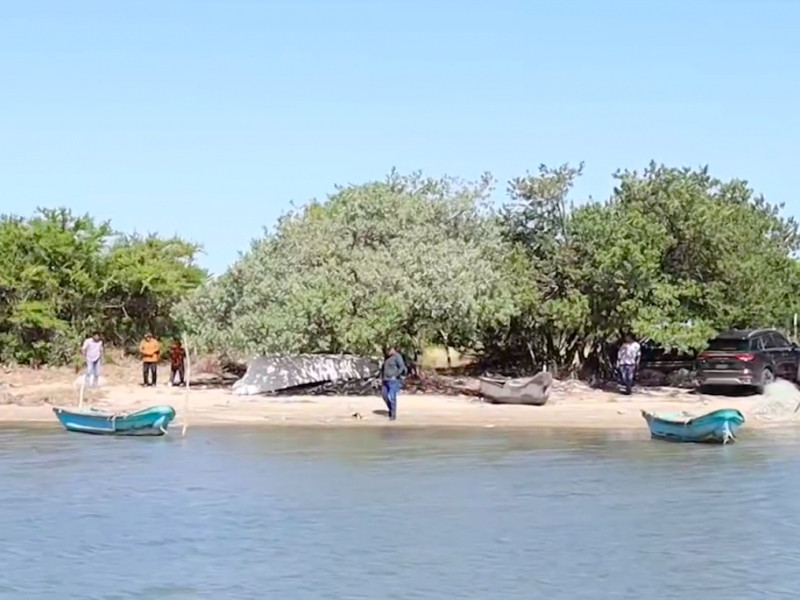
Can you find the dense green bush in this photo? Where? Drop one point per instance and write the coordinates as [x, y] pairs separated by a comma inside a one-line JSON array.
[[64, 276], [671, 255]]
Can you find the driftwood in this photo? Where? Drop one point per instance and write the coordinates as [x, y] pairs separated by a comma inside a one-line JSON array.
[[532, 391]]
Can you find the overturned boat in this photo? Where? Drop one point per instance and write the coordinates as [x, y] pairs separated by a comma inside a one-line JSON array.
[[717, 427], [530, 391], [268, 374]]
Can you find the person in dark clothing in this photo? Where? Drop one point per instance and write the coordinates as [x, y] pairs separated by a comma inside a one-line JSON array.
[[177, 358], [392, 372]]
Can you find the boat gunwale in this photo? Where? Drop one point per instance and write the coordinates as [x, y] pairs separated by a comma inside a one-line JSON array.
[[93, 412], [150, 421], [690, 419]]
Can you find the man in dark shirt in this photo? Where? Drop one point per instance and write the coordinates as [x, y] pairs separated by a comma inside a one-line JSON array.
[[392, 372], [177, 358]]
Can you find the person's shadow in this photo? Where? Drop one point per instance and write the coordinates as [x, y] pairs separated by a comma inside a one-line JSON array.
[[381, 412]]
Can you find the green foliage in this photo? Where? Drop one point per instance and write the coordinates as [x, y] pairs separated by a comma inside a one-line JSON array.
[[673, 255], [409, 261], [64, 276]]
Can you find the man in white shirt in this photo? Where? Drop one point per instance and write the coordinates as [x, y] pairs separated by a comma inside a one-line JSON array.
[[92, 351], [628, 362]]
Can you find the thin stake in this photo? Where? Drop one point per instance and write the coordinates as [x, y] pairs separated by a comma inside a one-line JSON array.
[[188, 380]]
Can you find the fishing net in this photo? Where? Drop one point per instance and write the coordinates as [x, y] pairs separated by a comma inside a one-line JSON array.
[[779, 402]]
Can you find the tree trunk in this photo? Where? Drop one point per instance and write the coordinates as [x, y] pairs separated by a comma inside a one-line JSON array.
[[533, 355]]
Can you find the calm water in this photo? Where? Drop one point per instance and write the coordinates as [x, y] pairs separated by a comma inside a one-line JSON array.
[[396, 514]]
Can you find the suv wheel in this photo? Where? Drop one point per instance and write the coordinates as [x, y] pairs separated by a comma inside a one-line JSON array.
[[767, 377]]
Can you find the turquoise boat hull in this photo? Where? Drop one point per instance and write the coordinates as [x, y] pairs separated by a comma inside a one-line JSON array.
[[717, 427], [150, 421]]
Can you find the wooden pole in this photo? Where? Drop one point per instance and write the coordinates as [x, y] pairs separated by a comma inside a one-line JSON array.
[[187, 382]]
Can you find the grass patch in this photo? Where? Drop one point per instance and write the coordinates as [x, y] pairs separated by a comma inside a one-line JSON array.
[[435, 357]]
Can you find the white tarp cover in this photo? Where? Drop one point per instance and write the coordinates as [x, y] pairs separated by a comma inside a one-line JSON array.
[[273, 373]]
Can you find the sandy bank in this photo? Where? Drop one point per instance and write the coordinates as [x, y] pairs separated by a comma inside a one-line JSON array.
[[589, 410]]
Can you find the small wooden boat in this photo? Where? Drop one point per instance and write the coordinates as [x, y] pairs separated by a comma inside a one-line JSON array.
[[532, 391], [150, 421], [717, 427]]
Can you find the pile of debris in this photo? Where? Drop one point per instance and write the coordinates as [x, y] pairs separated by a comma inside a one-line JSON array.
[[424, 383], [352, 387], [680, 378], [343, 375], [442, 385]]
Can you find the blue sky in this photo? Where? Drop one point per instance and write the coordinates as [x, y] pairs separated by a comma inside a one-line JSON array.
[[207, 118]]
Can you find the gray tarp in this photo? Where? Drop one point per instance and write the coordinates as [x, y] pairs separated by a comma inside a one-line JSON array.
[[273, 373]]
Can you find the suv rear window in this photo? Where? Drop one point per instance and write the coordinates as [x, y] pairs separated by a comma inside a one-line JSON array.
[[718, 345]]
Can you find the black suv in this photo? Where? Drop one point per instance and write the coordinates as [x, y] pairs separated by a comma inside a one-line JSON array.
[[747, 357]]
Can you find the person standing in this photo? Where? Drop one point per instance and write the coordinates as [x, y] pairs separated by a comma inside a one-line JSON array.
[[177, 358], [92, 351], [392, 372], [628, 357], [150, 351]]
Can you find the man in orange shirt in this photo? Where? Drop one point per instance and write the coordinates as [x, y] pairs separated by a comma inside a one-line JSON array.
[[150, 350]]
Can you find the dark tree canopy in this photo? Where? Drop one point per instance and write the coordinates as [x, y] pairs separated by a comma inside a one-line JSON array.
[[64, 276]]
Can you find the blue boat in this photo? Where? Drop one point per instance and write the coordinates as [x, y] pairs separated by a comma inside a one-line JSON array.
[[150, 421], [717, 427]]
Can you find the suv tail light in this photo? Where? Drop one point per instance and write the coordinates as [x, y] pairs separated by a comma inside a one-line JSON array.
[[702, 355], [747, 357]]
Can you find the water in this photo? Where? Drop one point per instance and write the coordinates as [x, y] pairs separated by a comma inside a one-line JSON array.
[[396, 514]]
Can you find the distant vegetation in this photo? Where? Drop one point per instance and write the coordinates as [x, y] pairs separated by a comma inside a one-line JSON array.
[[64, 276], [672, 255]]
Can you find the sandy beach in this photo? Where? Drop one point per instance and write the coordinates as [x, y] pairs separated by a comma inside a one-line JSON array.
[[28, 397]]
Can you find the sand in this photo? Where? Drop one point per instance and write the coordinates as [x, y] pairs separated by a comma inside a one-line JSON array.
[[573, 405]]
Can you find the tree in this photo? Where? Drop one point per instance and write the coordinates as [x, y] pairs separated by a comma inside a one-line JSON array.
[[409, 260], [63, 276], [145, 276], [724, 254], [538, 221], [672, 255]]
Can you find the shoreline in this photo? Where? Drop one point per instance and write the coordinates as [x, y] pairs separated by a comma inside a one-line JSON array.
[[575, 410]]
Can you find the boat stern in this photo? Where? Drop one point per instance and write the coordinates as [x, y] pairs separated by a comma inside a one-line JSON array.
[[166, 414], [150, 421]]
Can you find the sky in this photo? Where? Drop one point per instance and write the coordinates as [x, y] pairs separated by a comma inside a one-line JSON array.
[[208, 119]]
